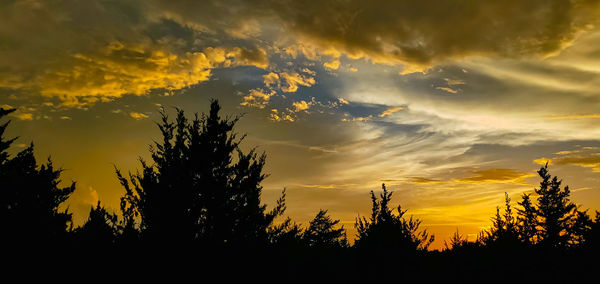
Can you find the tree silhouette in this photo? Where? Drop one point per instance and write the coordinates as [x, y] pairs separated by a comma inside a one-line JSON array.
[[385, 230], [30, 196], [200, 186], [99, 230], [527, 220], [457, 242], [504, 231], [321, 232], [555, 212]]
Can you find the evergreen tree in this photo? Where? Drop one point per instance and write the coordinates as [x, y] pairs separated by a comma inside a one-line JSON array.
[[387, 231], [287, 234], [30, 196], [554, 210], [100, 228], [504, 231], [321, 232], [527, 220], [457, 242], [200, 186]]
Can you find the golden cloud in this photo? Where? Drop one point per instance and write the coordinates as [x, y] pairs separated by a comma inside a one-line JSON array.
[[391, 110], [495, 176], [271, 79], [138, 115], [293, 80], [333, 65], [301, 106], [588, 157], [280, 116], [446, 89], [120, 68], [422, 180], [24, 116], [257, 98]]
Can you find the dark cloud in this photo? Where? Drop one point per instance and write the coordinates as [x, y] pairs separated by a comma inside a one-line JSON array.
[[425, 31]]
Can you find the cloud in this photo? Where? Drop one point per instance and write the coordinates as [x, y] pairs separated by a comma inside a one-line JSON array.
[[276, 115], [391, 110], [103, 50], [343, 101], [271, 79], [449, 90], [588, 157], [320, 186], [452, 82], [495, 175], [423, 32], [138, 115], [293, 80], [575, 116], [333, 65], [422, 180], [301, 106], [257, 98], [24, 116]]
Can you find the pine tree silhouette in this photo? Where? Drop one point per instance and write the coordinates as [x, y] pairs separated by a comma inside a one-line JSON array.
[[99, 230], [554, 210], [504, 232], [527, 220], [387, 231], [321, 232], [30, 196], [200, 186]]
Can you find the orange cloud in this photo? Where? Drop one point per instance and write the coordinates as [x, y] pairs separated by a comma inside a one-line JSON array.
[[588, 157], [138, 115], [422, 180], [293, 80], [495, 176], [391, 110], [257, 98], [301, 106]]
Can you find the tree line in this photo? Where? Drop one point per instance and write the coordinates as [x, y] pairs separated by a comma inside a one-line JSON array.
[[200, 192]]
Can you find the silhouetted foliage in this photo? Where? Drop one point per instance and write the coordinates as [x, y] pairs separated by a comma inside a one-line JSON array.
[[321, 232], [200, 195], [459, 242], [504, 231], [554, 210], [527, 220], [30, 197], [99, 230], [200, 186], [385, 230]]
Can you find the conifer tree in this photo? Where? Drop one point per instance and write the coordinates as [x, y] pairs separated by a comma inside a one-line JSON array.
[[321, 232], [504, 230], [555, 211], [200, 186], [527, 220], [387, 231], [100, 228], [30, 197]]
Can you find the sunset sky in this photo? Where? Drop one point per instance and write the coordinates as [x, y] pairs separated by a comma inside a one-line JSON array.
[[450, 103]]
